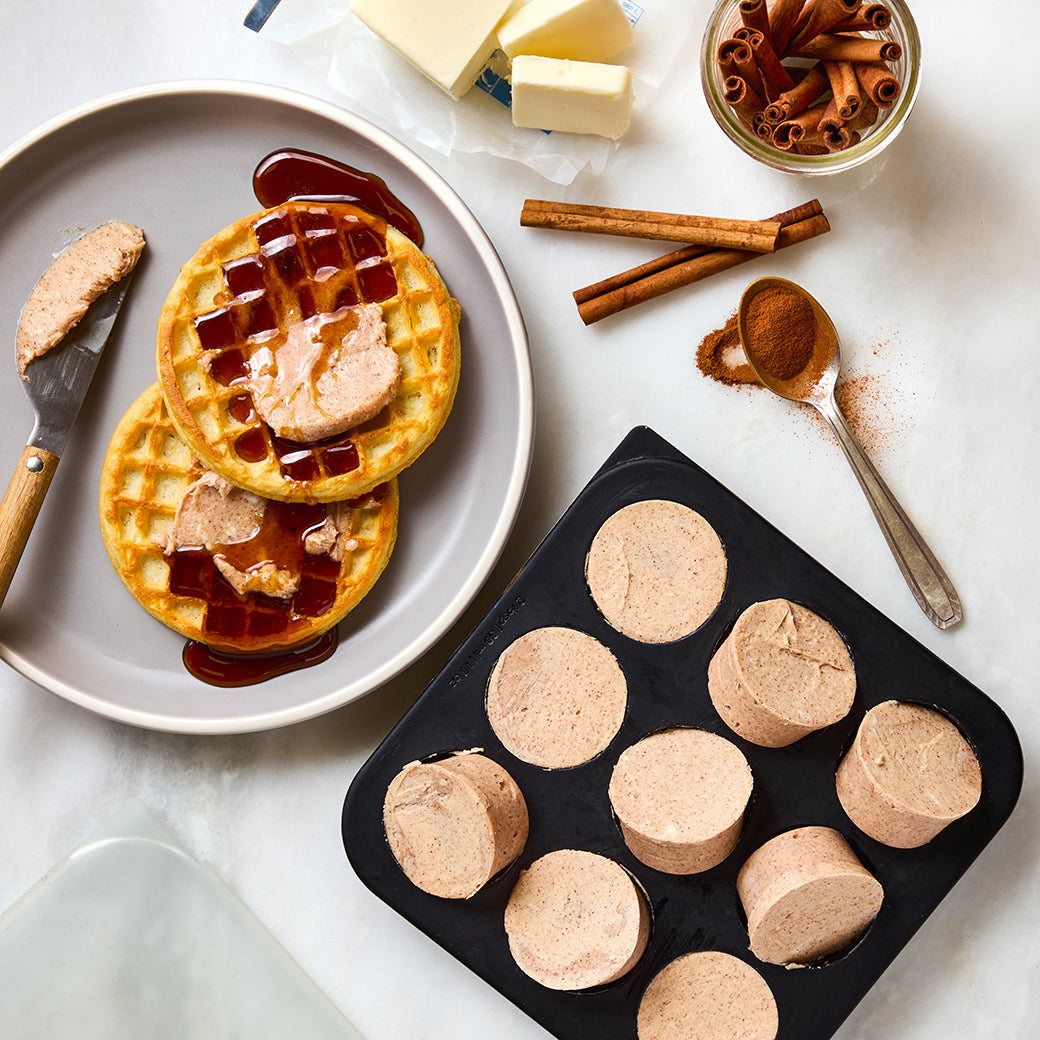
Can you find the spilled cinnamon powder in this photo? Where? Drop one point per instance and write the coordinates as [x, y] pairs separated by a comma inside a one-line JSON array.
[[720, 356], [862, 398]]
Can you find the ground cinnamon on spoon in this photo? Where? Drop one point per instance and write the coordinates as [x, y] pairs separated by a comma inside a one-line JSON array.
[[781, 325]]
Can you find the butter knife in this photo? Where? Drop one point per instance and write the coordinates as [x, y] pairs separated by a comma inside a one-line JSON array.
[[56, 385]]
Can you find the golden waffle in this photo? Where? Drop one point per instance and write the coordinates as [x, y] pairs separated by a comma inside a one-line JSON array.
[[146, 470], [251, 281]]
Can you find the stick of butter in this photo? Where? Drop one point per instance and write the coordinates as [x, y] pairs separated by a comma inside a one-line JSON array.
[[583, 30], [580, 97], [448, 41]]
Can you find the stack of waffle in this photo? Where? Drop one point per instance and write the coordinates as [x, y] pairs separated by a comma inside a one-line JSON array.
[[241, 293]]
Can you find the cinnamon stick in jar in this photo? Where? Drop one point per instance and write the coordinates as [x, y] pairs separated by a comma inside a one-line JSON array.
[[747, 67], [805, 124], [776, 77], [865, 117], [755, 15], [801, 96], [819, 16], [844, 86], [726, 55], [869, 18], [783, 18], [842, 47], [760, 128], [833, 129], [878, 83], [743, 100]]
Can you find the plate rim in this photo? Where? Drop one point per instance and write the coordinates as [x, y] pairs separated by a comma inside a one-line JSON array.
[[508, 510]]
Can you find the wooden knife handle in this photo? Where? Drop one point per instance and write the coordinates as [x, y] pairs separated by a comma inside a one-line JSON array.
[[19, 508]]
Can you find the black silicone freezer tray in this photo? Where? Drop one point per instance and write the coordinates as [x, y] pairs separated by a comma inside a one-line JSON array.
[[794, 786]]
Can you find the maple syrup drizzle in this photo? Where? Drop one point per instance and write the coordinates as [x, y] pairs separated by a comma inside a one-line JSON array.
[[292, 173], [229, 670]]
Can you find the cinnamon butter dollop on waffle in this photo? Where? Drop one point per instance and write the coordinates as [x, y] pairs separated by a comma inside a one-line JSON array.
[[224, 566], [309, 352]]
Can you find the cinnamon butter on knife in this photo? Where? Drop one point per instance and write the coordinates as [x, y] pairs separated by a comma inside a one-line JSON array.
[[86, 270]]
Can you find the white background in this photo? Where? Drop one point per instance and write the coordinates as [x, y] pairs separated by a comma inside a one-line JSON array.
[[930, 274]]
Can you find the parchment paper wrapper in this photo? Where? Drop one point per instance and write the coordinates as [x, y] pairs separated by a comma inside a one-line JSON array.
[[382, 86]]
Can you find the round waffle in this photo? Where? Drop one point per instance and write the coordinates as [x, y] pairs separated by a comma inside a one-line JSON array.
[[146, 470], [245, 287]]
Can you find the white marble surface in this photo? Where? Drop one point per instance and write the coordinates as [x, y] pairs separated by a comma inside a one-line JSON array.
[[930, 272]]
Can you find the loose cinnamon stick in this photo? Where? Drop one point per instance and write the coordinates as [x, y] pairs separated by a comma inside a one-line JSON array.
[[756, 235], [839, 47], [689, 265], [652, 267]]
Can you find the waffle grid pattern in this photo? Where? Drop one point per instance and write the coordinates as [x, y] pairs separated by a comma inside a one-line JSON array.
[[146, 470], [266, 271]]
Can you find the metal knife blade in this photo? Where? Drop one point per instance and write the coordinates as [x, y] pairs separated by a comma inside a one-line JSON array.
[[57, 383]]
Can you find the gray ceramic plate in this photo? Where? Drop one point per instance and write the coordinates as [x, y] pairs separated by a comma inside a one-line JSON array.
[[177, 159]]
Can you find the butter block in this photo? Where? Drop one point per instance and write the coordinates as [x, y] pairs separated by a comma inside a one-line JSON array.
[[580, 97], [448, 41], [582, 30]]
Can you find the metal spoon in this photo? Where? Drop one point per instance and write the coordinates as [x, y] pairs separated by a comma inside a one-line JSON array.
[[928, 582]]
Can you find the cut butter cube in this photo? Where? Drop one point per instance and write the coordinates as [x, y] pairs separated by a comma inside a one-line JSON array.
[[583, 30], [448, 41], [580, 97]]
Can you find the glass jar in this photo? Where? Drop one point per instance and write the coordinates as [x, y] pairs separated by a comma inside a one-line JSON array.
[[902, 30]]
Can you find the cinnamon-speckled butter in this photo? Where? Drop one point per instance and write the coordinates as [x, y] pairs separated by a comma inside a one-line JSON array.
[[453, 824], [908, 774], [80, 275], [806, 896], [707, 995], [556, 697], [679, 796], [780, 674], [576, 919], [656, 570]]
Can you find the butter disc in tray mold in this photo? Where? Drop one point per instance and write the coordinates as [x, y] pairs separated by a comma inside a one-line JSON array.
[[667, 683]]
